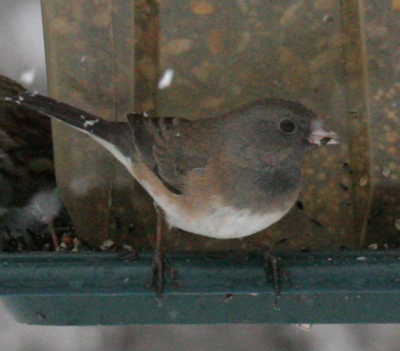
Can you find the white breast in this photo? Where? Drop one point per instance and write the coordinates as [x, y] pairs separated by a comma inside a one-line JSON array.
[[223, 223]]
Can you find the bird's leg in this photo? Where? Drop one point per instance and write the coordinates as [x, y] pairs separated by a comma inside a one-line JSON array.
[[160, 263], [157, 267], [272, 267], [53, 234]]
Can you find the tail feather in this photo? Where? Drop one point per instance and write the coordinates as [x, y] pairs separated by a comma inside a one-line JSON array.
[[118, 134], [52, 108]]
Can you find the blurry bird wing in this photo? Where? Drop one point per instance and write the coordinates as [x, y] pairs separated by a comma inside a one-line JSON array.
[[9, 87]]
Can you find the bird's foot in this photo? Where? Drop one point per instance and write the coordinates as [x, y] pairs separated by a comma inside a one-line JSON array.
[[160, 265], [274, 272], [127, 252], [272, 268]]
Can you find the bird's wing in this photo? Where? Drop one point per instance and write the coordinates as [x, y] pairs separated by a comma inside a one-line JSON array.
[[26, 157], [9, 87], [170, 148], [29, 130]]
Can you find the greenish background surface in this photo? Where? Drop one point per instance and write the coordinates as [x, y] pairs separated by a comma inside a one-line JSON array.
[[91, 289]]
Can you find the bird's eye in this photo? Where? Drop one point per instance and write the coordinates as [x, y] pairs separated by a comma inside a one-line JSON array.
[[287, 126]]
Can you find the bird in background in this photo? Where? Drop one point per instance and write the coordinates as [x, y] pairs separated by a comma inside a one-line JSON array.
[[28, 195], [223, 177]]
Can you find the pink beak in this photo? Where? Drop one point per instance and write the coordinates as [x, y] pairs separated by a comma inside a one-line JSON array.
[[321, 136]]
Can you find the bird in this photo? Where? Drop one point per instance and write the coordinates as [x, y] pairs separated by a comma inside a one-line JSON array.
[[223, 177], [28, 195]]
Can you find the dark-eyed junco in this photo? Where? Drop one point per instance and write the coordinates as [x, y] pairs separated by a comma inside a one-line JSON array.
[[28, 197], [222, 177]]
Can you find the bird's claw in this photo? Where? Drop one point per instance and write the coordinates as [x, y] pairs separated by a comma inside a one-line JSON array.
[[160, 265], [273, 269]]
